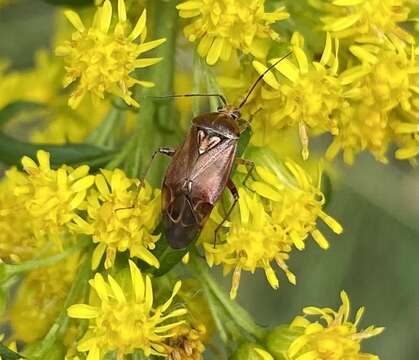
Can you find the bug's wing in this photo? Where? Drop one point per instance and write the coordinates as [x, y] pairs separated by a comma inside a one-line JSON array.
[[182, 223]]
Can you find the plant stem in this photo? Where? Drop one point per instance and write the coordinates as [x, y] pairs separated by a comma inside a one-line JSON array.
[[239, 315], [11, 270]]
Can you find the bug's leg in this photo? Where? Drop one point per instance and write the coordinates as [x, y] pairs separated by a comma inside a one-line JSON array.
[[250, 166], [163, 150], [235, 194]]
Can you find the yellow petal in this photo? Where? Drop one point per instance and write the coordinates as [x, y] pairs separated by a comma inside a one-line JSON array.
[[320, 239], [142, 63], [269, 77], [74, 19], [82, 311], [137, 281], [265, 190], [139, 26], [301, 59], [215, 51], [83, 183], [327, 52], [116, 289], [343, 23], [147, 46], [105, 16], [175, 290], [287, 68], [122, 12]]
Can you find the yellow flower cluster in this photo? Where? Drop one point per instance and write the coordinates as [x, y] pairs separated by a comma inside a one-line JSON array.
[[55, 203], [347, 91], [124, 320], [103, 61], [225, 26], [121, 218], [337, 338], [50, 197], [267, 224]]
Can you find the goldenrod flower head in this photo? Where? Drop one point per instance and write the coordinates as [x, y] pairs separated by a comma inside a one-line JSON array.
[[51, 197], [385, 80], [121, 218], [268, 224], [364, 19], [103, 60], [186, 343], [40, 299], [308, 93], [126, 321], [336, 338], [224, 26]]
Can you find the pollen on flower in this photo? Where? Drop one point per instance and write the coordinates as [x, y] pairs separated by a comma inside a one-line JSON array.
[[125, 320], [224, 26], [50, 197], [122, 217], [268, 224], [336, 338], [102, 60]]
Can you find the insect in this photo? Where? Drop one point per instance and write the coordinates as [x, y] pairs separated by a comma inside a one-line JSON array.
[[200, 170]]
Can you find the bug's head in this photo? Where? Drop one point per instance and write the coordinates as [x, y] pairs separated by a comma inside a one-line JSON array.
[[231, 111]]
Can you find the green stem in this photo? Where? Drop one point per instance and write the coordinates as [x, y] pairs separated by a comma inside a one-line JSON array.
[[156, 124], [239, 315], [103, 132]]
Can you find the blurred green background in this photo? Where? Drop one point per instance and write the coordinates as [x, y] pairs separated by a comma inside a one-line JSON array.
[[375, 260]]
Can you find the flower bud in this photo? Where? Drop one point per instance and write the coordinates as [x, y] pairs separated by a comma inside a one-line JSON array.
[[279, 340]]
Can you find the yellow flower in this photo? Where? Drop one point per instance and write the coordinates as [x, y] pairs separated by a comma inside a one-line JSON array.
[[268, 224], [224, 26], [186, 344], [103, 61], [367, 121], [123, 322], [51, 197], [40, 298], [364, 19], [336, 338], [122, 218], [308, 94]]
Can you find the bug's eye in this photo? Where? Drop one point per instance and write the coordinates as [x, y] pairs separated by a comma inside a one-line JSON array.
[[236, 114]]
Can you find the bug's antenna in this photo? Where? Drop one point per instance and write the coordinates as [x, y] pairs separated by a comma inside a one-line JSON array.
[[221, 97], [261, 77]]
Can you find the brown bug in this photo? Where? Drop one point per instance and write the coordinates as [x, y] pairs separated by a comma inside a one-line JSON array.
[[200, 170]]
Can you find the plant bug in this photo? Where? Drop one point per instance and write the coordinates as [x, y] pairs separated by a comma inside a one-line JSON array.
[[200, 170]]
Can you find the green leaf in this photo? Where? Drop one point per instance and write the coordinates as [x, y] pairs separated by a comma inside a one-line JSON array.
[[13, 109], [244, 141], [7, 354], [12, 150]]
